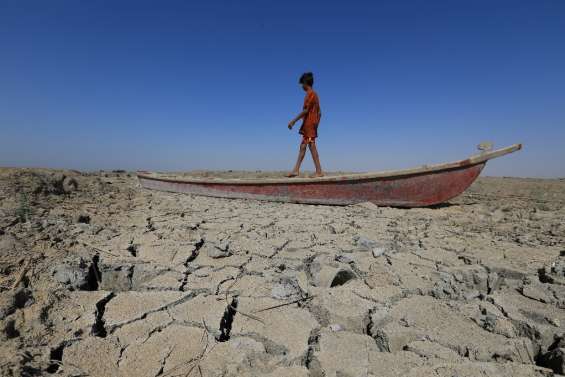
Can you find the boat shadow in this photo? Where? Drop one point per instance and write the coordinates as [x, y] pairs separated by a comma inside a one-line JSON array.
[[448, 205]]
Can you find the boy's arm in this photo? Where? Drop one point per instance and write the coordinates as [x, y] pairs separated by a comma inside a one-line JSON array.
[[308, 102], [297, 118]]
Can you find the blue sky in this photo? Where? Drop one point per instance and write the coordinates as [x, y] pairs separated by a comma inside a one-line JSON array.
[[178, 85]]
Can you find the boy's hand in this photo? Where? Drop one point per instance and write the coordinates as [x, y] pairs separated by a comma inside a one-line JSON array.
[[291, 124]]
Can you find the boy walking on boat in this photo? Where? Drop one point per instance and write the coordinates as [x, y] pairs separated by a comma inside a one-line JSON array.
[[310, 116]]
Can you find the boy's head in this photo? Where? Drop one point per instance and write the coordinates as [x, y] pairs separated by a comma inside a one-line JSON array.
[[306, 80]]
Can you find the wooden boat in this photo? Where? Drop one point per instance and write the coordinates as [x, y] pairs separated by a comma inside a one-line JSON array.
[[417, 187]]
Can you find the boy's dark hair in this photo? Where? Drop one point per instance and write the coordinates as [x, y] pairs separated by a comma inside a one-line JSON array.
[[307, 79]]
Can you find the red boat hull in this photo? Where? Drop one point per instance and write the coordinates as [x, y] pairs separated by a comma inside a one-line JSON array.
[[413, 190], [416, 187]]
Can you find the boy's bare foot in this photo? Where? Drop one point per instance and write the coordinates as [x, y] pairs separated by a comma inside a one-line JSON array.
[[292, 174], [317, 175]]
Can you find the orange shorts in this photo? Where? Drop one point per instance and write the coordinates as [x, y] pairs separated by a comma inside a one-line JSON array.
[[308, 140]]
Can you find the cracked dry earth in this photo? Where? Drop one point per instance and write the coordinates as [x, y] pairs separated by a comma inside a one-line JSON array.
[[128, 282]]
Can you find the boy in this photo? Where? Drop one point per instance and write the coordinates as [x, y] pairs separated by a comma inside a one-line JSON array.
[[310, 116]]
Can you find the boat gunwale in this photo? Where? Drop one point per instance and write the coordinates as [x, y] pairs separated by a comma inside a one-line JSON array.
[[355, 177]]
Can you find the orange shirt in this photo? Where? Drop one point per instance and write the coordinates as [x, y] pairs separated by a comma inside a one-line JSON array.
[[312, 118]]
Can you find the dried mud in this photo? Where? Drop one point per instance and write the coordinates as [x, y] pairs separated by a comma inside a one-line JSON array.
[[121, 281]]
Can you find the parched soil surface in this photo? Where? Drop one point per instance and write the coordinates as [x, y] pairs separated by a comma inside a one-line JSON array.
[[99, 277]]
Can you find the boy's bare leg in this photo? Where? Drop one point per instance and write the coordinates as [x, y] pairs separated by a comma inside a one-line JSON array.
[[301, 154], [316, 158]]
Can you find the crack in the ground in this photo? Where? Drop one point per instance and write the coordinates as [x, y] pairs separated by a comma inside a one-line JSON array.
[[184, 281], [98, 328], [94, 277], [227, 321], [194, 254], [55, 357], [279, 249], [164, 361], [196, 251], [222, 282], [120, 356], [310, 361], [157, 330], [368, 323]]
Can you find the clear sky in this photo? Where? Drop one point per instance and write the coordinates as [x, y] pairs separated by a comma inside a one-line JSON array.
[[178, 85]]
